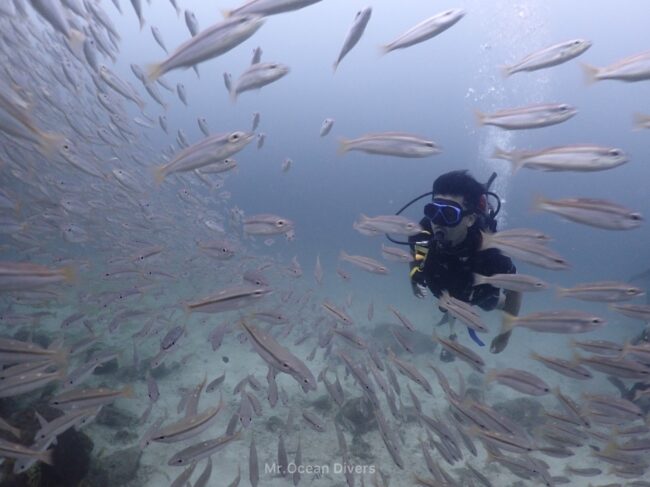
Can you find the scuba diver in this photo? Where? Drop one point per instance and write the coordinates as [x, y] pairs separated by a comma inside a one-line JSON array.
[[447, 254]]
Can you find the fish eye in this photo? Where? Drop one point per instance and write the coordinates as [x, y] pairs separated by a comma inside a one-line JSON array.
[[631, 291], [429, 144], [577, 43], [636, 217], [614, 152], [595, 321], [563, 108], [280, 223]]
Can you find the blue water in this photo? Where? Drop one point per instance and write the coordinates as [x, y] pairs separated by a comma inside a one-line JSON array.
[[431, 89]]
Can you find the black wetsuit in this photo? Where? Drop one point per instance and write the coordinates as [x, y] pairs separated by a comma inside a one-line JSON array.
[[453, 269]]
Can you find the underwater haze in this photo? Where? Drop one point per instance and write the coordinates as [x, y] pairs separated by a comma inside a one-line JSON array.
[[196, 287]]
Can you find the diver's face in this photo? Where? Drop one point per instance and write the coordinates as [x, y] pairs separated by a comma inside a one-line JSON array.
[[454, 234]]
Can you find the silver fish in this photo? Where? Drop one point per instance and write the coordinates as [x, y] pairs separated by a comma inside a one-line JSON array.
[[529, 117], [462, 352], [395, 254], [425, 30], [632, 68], [158, 37], [257, 76], [512, 282], [397, 144], [192, 23], [201, 450], [593, 212], [268, 7], [365, 263], [410, 371], [182, 95], [326, 126], [636, 311], [266, 224], [256, 120], [564, 367], [20, 276], [257, 56], [212, 149], [581, 158], [565, 321], [120, 86], [228, 299], [550, 56], [382, 224], [603, 291], [337, 313], [352, 37], [279, 357], [209, 43], [525, 249], [253, 463]]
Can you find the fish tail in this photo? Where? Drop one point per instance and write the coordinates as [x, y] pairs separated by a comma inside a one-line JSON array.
[[343, 255], [534, 355], [513, 157], [506, 71], [590, 73], [76, 39], [478, 279], [344, 146], [640, 120], [561, 292], [69, 274], [226, 13], [486, 242], [233, 95], [611, 448], [128, 391], [334, 67], [508, 322], [159, 174], [480, 117], [383, 50], [154, 71], [539, 203], [490, 376], [49, 143], [142, 22], [499, 153], [46, 457]]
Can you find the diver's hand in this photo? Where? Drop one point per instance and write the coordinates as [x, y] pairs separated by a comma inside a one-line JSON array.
[[419, 291]]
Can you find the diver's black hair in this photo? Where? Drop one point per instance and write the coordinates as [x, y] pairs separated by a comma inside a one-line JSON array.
[[460, 183]]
